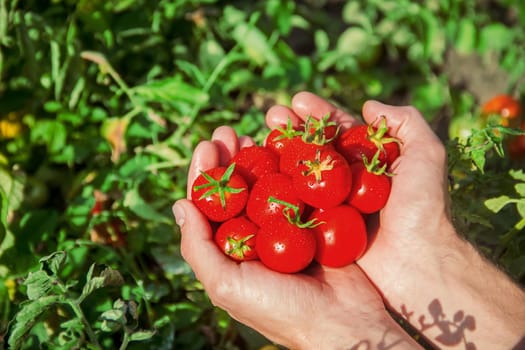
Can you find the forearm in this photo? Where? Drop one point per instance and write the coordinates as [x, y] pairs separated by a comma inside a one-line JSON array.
[[461, 298]]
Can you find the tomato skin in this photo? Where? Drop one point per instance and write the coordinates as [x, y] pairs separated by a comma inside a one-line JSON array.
[[278, 139], [324, 178], [260, 210], [285, 247], [506, 107], [235, 237], [296, 151], [516, 145], [210, 205], [341, 237], [357, 142], [369, 192], [255, 161]]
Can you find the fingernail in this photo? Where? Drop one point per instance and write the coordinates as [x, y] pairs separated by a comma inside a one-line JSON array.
[[178, 212]]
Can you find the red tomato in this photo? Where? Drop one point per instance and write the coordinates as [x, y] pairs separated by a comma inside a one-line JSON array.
[[260, 207], [320, 131], [506, 107], [516, 145], [323, 178], [255, 161], [236, 238], [370, 190], [285, 247], [220, 193], [279, 138], [296, 151], [341, 236], [366, 140]]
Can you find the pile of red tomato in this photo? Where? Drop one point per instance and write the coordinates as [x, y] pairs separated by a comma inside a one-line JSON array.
[[301, 197]]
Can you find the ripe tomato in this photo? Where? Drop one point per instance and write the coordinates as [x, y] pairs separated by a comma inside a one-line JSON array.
[[285, 247], [320, 131], [255, 161], [236, 238], [366, 140], [516, 145], [370, 189], [220, 193], [261, 209], [279, 138], [323, 178], [340, 237], [504, 109]]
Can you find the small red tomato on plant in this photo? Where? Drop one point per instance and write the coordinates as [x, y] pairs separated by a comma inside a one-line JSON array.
[[320, 131], [502, 109], [255, 161], [220, 193], [370, 186], [324, 178], [265, 203], [341, 236], [366, 140], [516, 145], [236, 238], [285, 247]]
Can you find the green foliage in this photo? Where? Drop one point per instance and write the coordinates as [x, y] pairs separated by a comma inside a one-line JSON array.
[[102, 103]]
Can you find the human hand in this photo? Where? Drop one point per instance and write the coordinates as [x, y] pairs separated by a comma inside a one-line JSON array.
[[423, 269], [319, 308]]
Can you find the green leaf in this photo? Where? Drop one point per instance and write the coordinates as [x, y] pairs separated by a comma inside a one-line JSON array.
[[496, 204], [141, 335], [26, 318], [466, 38], [3, 215], [520, 206], [478, 158], [53, 262], [255, 44], [171, 91], [137, 205], [517, 174], [51, 133], [38, 284], [495, 37], [108, 277], [520, 188]]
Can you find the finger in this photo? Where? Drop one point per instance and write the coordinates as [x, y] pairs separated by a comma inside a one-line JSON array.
[[279, 115], [205, 156], [246, 141], [197, 245], [306, 103], [227, 142]]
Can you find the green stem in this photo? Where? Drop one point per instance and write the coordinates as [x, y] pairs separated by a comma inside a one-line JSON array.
[[87, 327], [125, 340]]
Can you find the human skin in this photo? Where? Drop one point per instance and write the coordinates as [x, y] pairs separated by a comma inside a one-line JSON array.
[[424, 270], [418, 265]]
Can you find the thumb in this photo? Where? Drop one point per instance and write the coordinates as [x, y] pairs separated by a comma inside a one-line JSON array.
[[197, 245]]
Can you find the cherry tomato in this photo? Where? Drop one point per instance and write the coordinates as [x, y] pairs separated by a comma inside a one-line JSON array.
[[285, 247], [340, 237], [505, 108], [324, 178], [370, 190], [255, 161], [236, 238], [220, 193], [265, 203], [366, 140]]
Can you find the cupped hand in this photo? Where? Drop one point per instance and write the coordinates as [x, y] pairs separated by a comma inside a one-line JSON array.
[[408, 233], [318, 308]]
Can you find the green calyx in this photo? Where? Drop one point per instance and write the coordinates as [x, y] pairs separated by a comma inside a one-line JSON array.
[[317, 166], [238, 247], [219, 186], [287, 132], [314, 130], [374, 165], [291, 212], [377, 134]]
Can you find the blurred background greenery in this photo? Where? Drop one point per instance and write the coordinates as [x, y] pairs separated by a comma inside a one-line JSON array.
[[102, 103]]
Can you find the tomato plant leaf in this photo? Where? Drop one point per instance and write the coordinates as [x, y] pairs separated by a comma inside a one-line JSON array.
[[141, 335], [53, 262], [28, 315], [38, 284], [496, 204], [108, 277]]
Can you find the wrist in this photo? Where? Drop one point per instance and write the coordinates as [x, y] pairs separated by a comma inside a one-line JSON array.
[[356, 331], [458, 298]]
